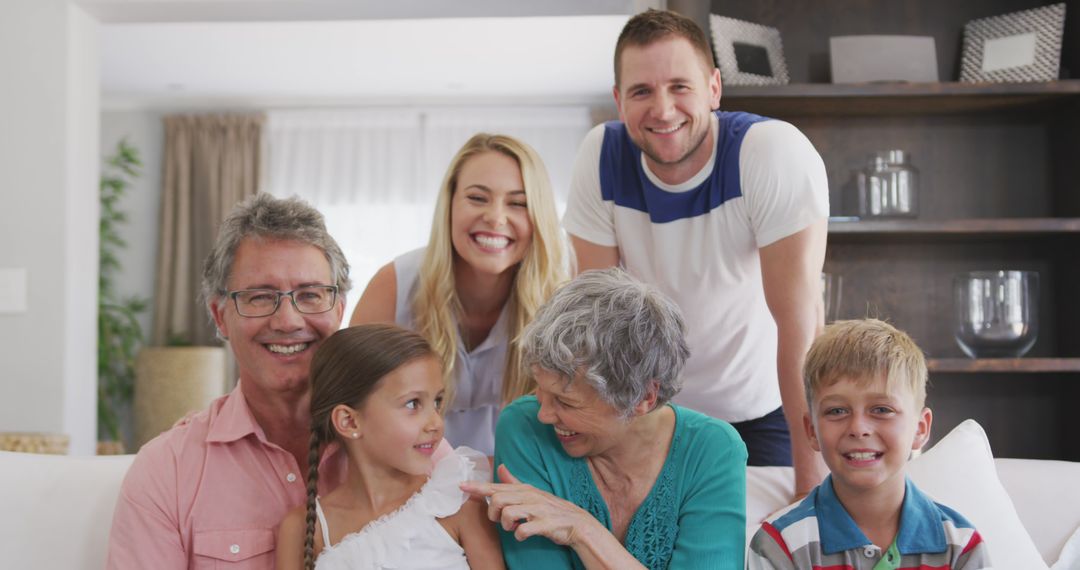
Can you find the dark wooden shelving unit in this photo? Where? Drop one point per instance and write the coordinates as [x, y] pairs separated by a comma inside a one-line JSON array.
[[999, 188]]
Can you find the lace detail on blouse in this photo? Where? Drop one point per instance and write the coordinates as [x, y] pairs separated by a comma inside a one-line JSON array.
[[583, 493], [652, 532]]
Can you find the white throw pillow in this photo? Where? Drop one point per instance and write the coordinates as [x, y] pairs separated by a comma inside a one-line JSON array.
[[1047, 499], [959, 472], [767, 489], [1070, 554]]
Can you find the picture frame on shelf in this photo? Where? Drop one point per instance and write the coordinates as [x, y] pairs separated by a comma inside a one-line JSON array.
[[1018, 47], [747, 53], [883, 58]]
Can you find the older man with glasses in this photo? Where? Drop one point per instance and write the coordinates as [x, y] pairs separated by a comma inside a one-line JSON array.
[[212, 490]]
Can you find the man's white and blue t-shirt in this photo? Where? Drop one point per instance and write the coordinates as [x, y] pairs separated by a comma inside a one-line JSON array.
[[698, 243]]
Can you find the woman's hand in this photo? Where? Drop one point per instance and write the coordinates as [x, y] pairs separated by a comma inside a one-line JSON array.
[[527, 511]]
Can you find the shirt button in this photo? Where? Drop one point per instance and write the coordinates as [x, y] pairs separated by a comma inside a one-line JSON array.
[[291, 477], [235, 549], [868, 552]]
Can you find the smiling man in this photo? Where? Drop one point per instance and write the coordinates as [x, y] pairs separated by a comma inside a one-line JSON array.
[[213, 489], [725, 212]]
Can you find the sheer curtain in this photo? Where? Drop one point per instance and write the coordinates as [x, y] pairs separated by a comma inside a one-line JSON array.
[[375, 173], [555, 133]]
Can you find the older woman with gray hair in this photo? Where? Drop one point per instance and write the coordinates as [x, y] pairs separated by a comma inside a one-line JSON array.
[[599, 469]]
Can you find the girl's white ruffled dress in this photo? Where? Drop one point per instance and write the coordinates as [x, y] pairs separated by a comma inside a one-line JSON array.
[[410, 537]]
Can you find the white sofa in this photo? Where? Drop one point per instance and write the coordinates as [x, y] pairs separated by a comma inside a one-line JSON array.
[[55, 511]]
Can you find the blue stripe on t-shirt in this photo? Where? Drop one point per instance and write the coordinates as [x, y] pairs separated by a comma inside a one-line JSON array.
[[623, 180]]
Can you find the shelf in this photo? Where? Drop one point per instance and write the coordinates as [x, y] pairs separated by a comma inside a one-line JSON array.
[[1002, 365], [875, 99], [971, 228]]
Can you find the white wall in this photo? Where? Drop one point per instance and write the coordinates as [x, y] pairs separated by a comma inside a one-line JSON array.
[[81, 231], [48, 150]]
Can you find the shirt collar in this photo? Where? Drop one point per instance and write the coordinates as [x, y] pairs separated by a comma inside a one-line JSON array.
[[701, 176], [234, 420], [920, 524]]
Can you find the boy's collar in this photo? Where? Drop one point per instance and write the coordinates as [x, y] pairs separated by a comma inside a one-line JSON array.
[[920, 523]]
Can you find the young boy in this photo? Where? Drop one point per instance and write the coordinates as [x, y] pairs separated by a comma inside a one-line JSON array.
[[865, 386]]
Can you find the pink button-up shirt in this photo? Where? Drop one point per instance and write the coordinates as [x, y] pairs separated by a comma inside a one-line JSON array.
[[210, 494]]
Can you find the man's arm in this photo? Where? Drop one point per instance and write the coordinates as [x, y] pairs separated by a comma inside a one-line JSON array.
[[145, 527], [791, 275], [589, 220], [592, 256]]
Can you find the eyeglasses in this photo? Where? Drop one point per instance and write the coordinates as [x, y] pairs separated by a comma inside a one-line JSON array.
[[310, 300]]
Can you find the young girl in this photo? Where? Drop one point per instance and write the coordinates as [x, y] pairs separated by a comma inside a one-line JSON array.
[[496, 253], [377, 390]]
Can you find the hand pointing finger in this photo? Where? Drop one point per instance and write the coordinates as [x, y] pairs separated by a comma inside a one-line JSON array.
[[477, 488]]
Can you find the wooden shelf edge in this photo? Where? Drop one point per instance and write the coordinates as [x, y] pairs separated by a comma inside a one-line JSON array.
[[957, 227], [899, 99], [1063, 87], [1002, 365]]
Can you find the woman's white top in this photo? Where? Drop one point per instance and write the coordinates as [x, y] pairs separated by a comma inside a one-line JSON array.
[[471, 417], [411, 537]]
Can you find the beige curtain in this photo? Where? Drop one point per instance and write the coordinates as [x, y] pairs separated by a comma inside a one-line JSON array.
[[211, 163]]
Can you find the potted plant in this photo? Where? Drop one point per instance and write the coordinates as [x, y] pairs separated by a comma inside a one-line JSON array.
[[119, 332], [173, 382]]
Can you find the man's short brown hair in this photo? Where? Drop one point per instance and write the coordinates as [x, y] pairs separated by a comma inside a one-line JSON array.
[[862, 351], [654, 25]]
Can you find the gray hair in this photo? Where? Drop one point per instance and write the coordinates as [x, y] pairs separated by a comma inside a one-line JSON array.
[[618, 333], [265, 216]]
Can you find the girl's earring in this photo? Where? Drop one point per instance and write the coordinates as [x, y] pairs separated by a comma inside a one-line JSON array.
[[355, 435]]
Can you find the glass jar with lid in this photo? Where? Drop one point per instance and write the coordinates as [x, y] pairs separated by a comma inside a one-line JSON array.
[[889, 188]]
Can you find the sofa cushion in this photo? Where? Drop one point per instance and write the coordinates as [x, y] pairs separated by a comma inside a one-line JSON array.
[[1039, 489], [1070, 554], [56, 509], [959, 472]]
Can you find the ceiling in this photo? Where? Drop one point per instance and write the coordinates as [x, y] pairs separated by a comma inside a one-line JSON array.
[[536, 59]]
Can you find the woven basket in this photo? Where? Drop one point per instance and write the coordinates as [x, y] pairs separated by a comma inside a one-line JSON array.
[[26, 442]]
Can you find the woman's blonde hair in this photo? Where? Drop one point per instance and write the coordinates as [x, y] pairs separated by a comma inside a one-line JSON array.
[[545, 266]]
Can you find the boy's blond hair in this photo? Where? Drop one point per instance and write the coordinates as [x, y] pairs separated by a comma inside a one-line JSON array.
[[862, 351]]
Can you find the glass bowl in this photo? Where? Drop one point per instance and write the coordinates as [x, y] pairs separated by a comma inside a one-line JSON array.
[[997, 314]]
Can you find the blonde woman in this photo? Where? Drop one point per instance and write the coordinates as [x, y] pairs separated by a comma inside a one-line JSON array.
[[495, 254]]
